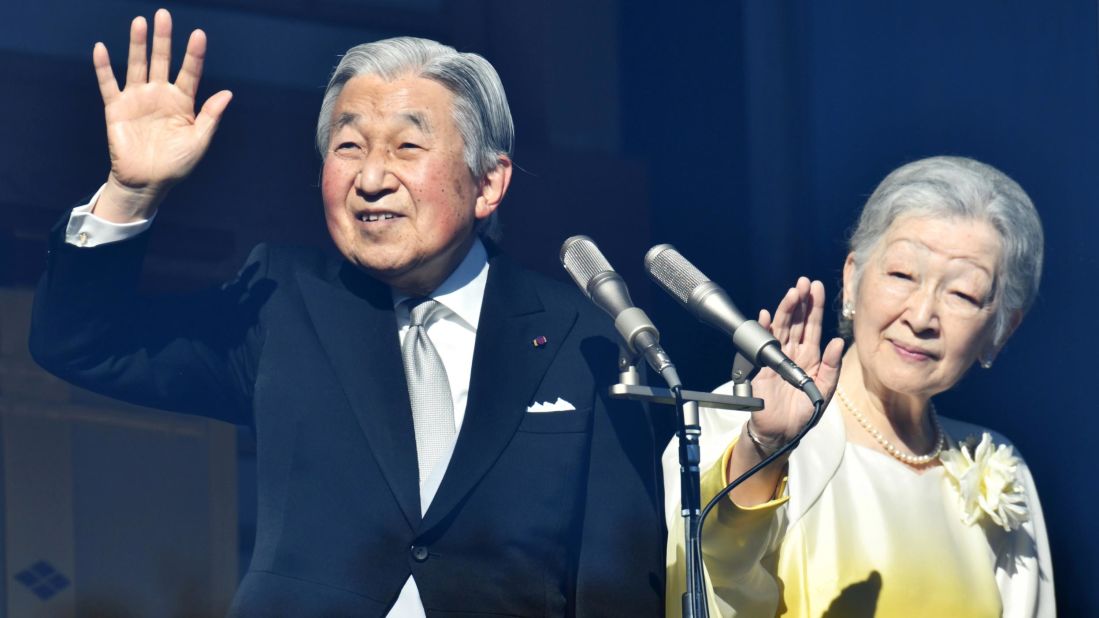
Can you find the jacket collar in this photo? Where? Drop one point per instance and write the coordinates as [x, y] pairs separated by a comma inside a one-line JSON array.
[[507, 369], [354, 319]]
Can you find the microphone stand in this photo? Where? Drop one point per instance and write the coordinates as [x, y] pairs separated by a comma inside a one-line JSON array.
[[689, 431], [694, 599]]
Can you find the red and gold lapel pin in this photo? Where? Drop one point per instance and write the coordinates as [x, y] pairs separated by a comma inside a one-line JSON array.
[[539, 341]]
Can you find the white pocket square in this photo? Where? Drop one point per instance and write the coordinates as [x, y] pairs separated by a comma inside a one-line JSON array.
[[558, 406]]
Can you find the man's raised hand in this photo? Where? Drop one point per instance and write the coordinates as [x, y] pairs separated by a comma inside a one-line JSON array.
[[153, 135]]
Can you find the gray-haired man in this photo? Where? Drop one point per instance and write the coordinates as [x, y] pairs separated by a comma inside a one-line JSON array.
[[432, 427]]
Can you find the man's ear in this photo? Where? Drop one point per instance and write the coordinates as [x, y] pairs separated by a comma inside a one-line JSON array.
[[493, 187], [848, 279]]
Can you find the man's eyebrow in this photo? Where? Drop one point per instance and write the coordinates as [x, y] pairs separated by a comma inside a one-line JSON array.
[[419, 119], [415, 118], [346, 118]]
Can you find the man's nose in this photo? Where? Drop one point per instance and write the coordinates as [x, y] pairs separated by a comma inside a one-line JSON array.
[[375, 177]]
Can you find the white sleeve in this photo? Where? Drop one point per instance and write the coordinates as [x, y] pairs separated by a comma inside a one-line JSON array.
[[87, 230], [1024, 572]]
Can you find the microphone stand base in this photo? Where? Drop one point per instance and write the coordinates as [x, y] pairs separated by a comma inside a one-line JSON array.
[[666, 397]]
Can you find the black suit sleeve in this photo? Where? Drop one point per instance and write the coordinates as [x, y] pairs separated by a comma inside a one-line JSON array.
[[623, 516], [192, 354]]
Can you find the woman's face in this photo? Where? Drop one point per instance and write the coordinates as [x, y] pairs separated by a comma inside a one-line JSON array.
[[925, 306]]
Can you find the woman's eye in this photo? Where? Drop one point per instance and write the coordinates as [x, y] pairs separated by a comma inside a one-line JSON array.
[[409, 145], [968, 298], [347, 146], [899, 274]]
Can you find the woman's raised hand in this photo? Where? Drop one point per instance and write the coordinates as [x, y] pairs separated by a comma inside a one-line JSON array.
[[153, 135], [797, 327]]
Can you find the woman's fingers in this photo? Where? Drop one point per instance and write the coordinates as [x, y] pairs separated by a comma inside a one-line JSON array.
[[136, 66], [162, 46], [780, 322], [813, 330], [764, 318], [108, 87], [828, 372], [191, 71], [801, 310]]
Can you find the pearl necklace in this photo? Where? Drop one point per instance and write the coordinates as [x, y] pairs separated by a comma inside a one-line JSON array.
[[912, 460]]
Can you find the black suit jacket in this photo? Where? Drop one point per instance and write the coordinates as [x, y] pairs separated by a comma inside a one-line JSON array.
[[545, 514]]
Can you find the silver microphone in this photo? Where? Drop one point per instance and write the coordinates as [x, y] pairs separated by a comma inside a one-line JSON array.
[[605, 287], [710, 304]]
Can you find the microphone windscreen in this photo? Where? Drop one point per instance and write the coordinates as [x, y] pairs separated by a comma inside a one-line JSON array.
[[583, 260], [673, 272]]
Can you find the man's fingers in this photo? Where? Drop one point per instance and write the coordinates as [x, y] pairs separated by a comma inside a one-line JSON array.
[[208, 118], [162, 46], [136, 64], [108, 87], [191, 71]]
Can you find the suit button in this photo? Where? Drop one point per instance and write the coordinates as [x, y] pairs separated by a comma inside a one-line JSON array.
[[419, 553]]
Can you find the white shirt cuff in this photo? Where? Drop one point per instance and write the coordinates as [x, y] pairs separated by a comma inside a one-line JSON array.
[[87, 230]]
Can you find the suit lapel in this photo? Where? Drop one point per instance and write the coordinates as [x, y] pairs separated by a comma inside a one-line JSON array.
[[353, 317], [507, 369]]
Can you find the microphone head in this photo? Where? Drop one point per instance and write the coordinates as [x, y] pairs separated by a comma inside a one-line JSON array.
[[673, 272], [583, 260]]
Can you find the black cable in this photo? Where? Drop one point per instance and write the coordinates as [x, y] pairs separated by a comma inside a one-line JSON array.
[[818, 411], [695, 595]]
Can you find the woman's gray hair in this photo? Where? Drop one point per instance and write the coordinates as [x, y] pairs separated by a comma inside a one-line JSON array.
[[481, 110], [960, 188]]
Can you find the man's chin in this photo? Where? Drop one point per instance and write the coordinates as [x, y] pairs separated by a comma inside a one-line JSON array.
[[403, 278]]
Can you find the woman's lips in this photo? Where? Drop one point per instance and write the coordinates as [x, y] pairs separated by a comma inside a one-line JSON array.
[[911, 353]]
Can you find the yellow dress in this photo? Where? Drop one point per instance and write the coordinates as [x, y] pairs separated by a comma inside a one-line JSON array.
[[857, 533]]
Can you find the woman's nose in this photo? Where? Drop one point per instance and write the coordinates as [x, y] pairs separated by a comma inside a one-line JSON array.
[[922, 312]]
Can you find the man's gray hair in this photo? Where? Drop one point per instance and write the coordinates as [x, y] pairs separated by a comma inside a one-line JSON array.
[[960, 188], [481, 110]]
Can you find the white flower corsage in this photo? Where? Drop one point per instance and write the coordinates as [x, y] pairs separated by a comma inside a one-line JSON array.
[[984, 477]]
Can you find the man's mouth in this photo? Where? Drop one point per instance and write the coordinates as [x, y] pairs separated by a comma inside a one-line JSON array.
[[368, 217]]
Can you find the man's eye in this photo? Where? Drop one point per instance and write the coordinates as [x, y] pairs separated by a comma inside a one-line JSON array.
[[898, 274], [408, 146]]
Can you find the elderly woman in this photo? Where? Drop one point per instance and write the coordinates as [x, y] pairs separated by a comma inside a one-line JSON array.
[[886, 508]]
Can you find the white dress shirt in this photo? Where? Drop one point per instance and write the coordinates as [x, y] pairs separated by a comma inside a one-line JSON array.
[[453, 332], [85, 229]]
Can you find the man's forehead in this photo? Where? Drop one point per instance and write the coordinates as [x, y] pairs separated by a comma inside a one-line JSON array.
[[412, 117], [417, 101]]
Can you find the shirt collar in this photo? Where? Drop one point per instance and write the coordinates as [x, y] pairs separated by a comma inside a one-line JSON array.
[[464, 290]]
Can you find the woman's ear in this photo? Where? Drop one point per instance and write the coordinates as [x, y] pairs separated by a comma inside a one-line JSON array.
[[993, 349], [848, 280]]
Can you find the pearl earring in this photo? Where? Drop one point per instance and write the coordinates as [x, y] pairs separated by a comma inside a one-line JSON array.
[[986, 363], [848, 310]]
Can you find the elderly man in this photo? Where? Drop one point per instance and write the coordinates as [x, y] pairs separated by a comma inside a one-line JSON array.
[[433, 432]]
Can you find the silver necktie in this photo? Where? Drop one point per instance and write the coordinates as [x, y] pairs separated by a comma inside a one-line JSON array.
[[428, 388]]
